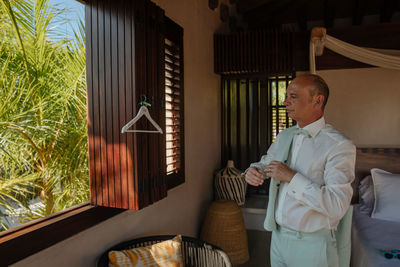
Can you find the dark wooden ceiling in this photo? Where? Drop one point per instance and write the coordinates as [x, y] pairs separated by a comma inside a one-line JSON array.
[[304, 14]]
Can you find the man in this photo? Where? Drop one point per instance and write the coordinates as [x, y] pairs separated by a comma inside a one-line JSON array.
[[314, 184]]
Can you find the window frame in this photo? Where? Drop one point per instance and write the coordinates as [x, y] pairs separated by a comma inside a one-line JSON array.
[[50, 230], [47, 231]]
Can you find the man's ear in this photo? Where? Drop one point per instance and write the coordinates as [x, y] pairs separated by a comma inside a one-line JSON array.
[[320, 100]]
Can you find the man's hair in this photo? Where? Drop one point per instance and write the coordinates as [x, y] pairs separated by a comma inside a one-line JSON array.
[[320, 87]]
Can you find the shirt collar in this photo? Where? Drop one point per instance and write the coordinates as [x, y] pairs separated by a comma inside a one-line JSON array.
[[314, 128]]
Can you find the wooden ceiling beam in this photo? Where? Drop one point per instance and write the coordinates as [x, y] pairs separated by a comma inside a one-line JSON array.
[[274, 13], [387, 10], [302, 14], [383, 36], [265, 13], [267, 9], [244, 6], [329, 13], [358, 12]]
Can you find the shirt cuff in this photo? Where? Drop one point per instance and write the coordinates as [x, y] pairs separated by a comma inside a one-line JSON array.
[[297, 186]]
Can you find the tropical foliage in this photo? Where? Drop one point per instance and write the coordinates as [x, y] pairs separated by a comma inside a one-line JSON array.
[[43, 121]]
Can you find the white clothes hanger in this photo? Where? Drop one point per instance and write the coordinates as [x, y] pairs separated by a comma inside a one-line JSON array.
[[142, 111]]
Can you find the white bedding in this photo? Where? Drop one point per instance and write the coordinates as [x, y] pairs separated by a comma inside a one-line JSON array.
[[368, 235]]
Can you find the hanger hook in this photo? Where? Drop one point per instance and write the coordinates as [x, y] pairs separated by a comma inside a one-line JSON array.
[[143, 101]]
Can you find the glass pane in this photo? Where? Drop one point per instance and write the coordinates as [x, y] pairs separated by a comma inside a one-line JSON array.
[[43, 129], [274, 130], [282, 121], [273, 93], [282, 92]]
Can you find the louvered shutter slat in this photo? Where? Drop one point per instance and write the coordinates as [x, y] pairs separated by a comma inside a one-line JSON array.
[[174, 102]]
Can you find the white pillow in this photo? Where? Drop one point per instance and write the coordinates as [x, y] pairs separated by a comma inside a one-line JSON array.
[[387, 195], [366, 195]]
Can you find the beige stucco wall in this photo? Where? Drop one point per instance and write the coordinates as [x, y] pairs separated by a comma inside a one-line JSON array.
[[365, 105], [183, 210]]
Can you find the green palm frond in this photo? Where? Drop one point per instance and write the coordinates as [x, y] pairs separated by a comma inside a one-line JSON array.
[[43, 127]]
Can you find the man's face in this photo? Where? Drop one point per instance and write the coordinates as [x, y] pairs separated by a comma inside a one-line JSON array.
[[300, 105]]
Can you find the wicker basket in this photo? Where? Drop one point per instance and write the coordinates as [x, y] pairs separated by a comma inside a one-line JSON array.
[[230, 184], [224, 227]]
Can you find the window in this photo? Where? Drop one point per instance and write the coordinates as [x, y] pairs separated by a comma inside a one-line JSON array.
[[252, 115], [279, 117], [43, 127], [125, 60]]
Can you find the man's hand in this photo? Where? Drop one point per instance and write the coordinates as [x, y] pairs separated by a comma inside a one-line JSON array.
[[254, 176], [280, 171]]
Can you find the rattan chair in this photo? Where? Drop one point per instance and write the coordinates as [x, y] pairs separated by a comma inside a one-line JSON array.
[[196, 253]]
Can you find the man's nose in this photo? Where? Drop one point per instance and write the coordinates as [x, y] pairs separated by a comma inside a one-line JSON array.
[[286, 102]]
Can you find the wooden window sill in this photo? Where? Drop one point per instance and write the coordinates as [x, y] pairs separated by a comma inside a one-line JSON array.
[[30, 238]]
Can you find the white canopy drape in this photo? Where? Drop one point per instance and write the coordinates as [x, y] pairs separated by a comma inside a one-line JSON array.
[[377, 57]]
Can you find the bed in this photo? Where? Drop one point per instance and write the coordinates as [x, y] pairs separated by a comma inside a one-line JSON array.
[[371, 230]]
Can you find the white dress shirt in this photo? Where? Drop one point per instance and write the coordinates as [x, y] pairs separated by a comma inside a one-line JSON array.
[[319, 194]]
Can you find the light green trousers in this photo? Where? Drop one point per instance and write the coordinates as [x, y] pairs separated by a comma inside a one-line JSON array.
[[296, 249]]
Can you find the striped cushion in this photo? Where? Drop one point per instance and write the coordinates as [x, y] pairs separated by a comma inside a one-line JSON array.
[[166, 253]]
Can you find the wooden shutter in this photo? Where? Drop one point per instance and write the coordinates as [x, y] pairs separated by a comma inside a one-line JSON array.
[[150, 26], [174, 106], [125, 61], [254, 52]]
